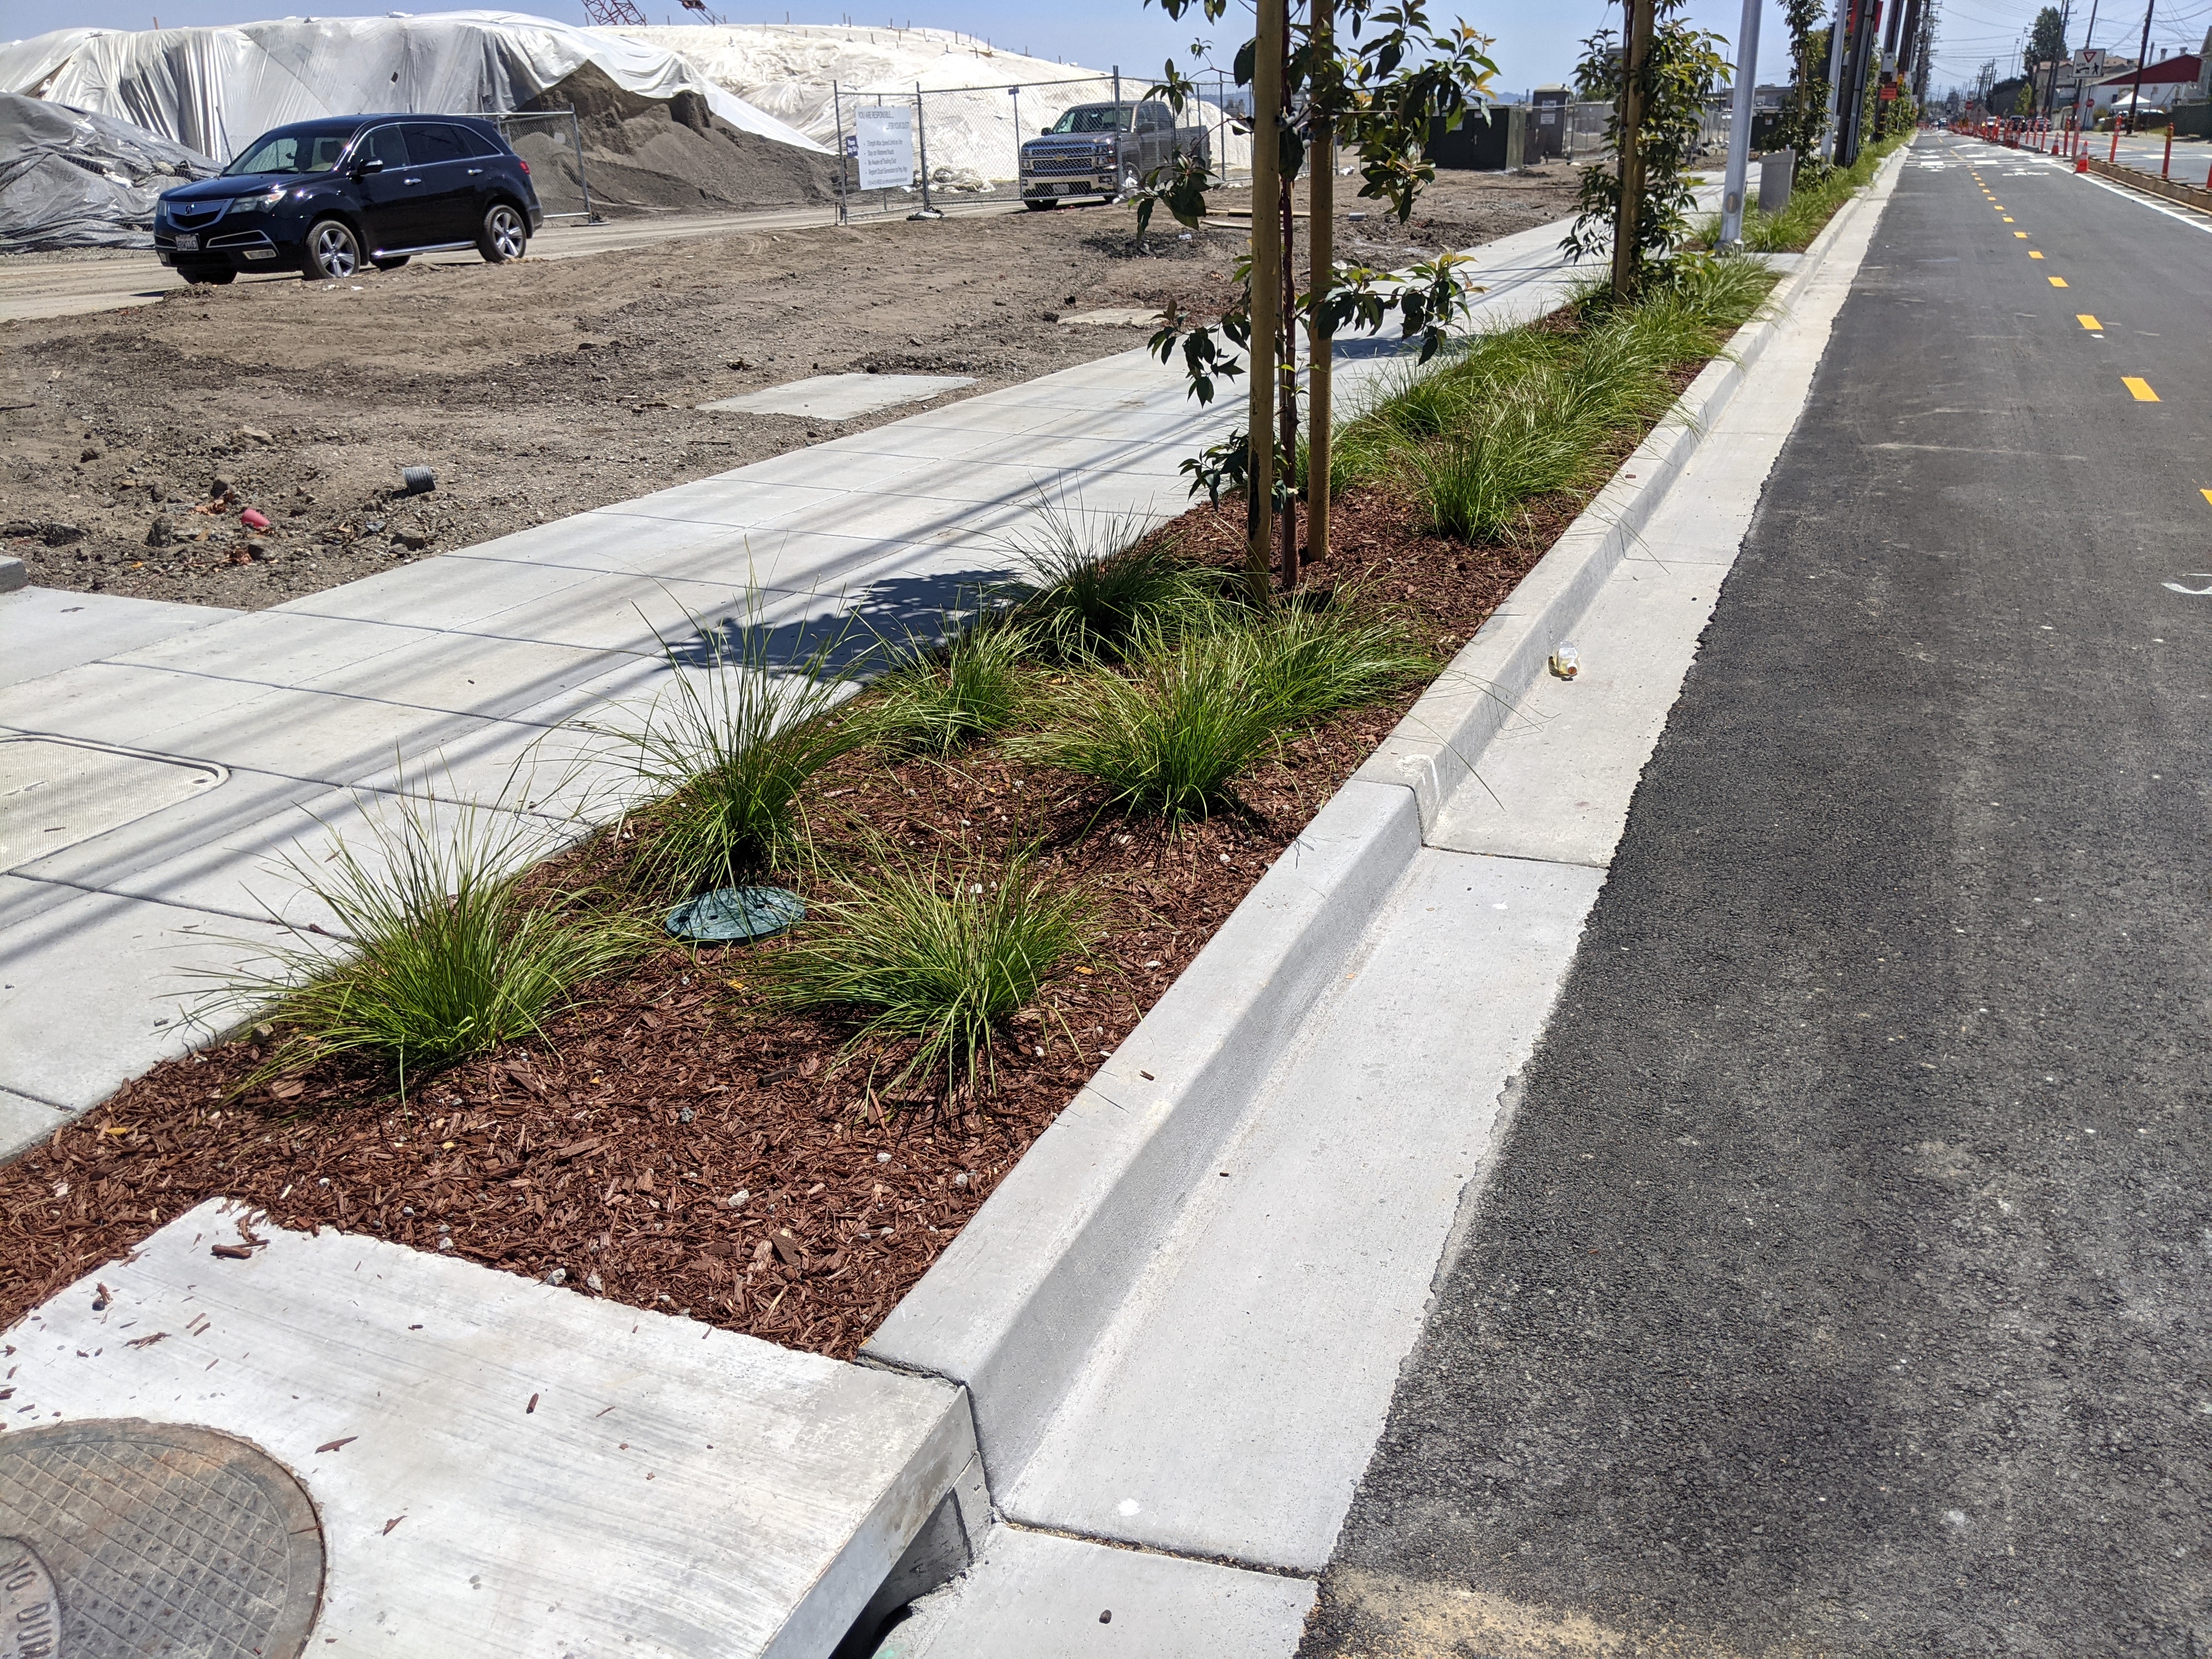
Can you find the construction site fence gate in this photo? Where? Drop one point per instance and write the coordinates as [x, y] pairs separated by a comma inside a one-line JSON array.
[[552, 143], [966, 141]]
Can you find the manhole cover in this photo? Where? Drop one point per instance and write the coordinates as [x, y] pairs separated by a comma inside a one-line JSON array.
[[123, 1540]]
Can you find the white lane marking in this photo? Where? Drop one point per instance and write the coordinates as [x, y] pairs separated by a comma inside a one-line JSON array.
[[2194, 220], [2193, 593]]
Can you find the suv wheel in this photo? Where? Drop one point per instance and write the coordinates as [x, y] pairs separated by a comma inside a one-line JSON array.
[[505, 233], [207, 273], [333, 251]]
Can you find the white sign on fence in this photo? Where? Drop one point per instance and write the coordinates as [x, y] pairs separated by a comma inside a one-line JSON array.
[[886, 137]]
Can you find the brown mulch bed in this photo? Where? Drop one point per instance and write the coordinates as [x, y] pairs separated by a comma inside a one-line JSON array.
[[674, 1142]]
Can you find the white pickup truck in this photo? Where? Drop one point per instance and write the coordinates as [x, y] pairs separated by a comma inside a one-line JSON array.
[[1104, 149]]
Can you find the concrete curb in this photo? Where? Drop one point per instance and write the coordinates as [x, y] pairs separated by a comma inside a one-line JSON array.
[[1432, 750], [2151, 185], [1018, 1302]]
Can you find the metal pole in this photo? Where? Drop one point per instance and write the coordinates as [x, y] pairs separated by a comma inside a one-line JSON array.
[[1837, 30], [1117, 128], [837, 110], [1740, 112], [576, 135], [1266, 281], [921, 137], [1016, 94]]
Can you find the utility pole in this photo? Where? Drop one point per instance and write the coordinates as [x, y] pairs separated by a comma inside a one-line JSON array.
[[1266, 286], [1862, 42], [2134, 100], [1740, 118], [1636, 57]]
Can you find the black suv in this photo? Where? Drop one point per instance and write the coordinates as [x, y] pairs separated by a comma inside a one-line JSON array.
[[325, 198]]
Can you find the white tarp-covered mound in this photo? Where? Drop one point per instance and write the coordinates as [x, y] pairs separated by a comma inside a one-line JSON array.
[[787, 70], [216, 89], [71, 179]]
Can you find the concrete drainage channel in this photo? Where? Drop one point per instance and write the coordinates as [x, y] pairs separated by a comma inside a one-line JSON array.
[[1128, 1404]]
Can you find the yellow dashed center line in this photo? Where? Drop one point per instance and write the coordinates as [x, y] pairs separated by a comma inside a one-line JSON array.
[[2058, 281], [2087, 320], [2140, 387], [2206, 494], [2007, 218], [2033, 254], [2020, 235]]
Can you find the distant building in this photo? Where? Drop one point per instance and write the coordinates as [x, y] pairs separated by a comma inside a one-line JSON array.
[[2165, 83]]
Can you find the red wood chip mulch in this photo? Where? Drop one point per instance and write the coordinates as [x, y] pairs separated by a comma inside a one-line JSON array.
[[675, 1143]]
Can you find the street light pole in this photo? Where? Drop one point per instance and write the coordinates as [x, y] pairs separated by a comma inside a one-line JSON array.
[[1740, 115], [1837, 30]]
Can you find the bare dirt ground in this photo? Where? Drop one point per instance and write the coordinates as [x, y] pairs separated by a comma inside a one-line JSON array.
[[130, 442]]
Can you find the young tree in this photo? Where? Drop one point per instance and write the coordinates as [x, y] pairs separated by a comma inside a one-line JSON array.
[[1659, 86], [1805, 107], [1368, 76]]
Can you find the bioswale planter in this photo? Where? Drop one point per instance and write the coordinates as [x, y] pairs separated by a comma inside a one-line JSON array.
[[1018, 1304]]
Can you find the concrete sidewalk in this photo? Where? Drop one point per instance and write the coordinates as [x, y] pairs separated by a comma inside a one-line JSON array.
[[442, 678], [1189, 1472]]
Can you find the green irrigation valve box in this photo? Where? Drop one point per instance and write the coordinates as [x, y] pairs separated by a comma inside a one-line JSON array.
[[735, 915]]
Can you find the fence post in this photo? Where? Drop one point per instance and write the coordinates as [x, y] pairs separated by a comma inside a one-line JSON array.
[[837, 110], [576, 134], [921, 137]]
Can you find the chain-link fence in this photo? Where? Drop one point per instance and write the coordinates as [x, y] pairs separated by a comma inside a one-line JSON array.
[[939, 149], [552, 143], [1587, 122]]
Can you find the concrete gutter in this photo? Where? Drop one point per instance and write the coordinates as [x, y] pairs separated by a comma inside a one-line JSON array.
[[1016, 1307]]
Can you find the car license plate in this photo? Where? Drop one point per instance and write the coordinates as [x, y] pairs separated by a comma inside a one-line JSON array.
[[186, 244]]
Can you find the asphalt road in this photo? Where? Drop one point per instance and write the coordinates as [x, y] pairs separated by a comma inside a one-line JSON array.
[[1843, 1286]]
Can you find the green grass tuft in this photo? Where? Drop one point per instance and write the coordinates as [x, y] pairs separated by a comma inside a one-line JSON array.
[[1193, 711], [729, 745], [446, 958], [941, 955], [1095, 586], [937, 699]]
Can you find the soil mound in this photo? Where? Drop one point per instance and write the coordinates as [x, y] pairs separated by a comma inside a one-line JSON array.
[[656, 155]]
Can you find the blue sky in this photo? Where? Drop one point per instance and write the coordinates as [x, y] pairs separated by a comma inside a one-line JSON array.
[[1536, 43]]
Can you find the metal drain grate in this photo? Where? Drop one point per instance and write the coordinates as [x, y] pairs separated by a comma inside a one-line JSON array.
[[128, 1540]]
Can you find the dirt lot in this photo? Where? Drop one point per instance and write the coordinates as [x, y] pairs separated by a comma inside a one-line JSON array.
[[541, 389]]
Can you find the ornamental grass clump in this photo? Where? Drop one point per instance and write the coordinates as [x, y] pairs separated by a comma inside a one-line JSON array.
[[1170, 735], [1093, 589], [729, 745], [1193, 711], [940, 956], [935, 700], [442, 955]]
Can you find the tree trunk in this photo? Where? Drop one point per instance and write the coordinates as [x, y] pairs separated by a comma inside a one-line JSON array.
[[1635, 59], [1321, 277], [1266, 284], [1287, 379]]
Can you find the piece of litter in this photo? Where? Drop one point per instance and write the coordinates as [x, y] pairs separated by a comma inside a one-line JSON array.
[[531, 1406], [1566, 661], [332, 1445], [393, 1522]]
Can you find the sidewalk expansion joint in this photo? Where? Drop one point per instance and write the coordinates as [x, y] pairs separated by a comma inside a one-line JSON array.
[[1266, 1569]]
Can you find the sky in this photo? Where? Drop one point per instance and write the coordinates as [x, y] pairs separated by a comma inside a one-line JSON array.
[[1536, 43]]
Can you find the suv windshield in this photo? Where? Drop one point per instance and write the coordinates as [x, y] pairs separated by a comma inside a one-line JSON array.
[[292, 149], [1095, 117]]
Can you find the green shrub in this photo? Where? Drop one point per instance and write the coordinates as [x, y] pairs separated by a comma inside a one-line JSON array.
[[446, 958], [728, 746], [940, 956], [936, 699]]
